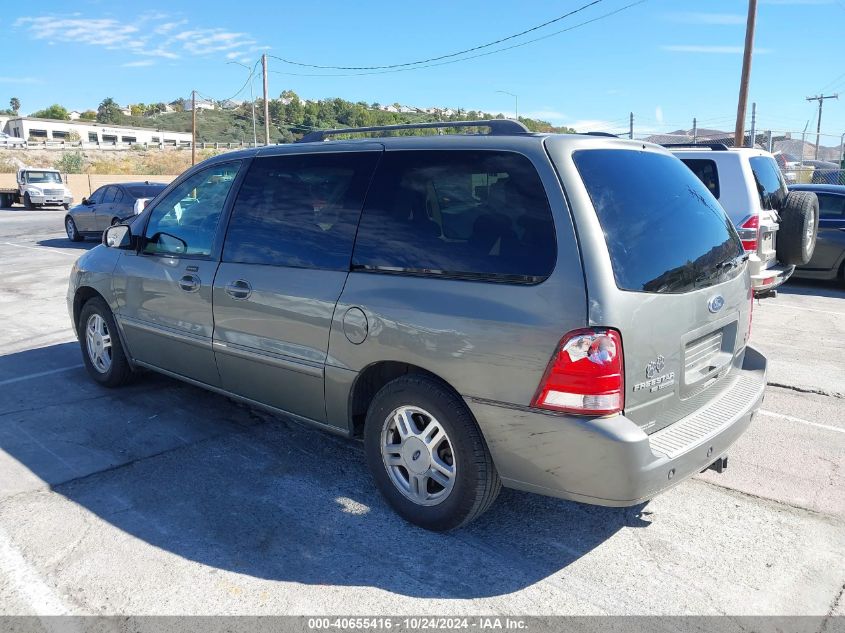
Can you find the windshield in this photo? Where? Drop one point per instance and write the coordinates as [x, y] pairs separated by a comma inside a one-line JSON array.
[[145, 191], [42, 176], [664, 229]]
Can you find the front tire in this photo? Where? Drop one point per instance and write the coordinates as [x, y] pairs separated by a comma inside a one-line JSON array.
[[27, 202], [102, 351], [427, 454], [71, 230]]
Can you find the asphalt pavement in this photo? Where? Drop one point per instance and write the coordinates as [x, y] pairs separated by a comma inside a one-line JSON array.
[[161, 498]]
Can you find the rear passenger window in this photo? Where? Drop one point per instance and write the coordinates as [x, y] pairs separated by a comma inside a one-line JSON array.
[[467, 214], [831, 207], [706, 171], [300, 210]]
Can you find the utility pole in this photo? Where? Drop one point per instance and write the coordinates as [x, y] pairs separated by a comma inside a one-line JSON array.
[[266, 102], [694, 131], [820, 98], [515, 103], [631, 125], [753, 124], [193, 127], [739, 130]]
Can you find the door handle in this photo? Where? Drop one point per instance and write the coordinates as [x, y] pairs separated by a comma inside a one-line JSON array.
[[239, 289], [189, 283]]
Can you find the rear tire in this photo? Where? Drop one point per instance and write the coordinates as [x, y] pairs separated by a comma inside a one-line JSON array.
[[427, 407], [71, 230], [102, 351], [796, 237]]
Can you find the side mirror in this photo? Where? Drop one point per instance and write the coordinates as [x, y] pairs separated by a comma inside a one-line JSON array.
[[117, 236], [165, 243], [85, 202]]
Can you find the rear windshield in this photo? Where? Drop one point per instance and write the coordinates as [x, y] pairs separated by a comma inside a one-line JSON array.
[[145, 191], [770, 183], [664, 229]]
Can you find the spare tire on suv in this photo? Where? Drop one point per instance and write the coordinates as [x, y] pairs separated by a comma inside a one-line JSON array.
[[799, 224]]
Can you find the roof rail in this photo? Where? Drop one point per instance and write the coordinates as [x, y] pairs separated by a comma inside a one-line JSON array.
[[599, 134], [718, 147], [498, 127]]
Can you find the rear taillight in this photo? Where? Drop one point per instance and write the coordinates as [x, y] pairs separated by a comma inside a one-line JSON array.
[[585, 374], [749, 231]]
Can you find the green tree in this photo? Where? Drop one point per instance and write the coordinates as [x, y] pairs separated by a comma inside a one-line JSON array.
[[15, 104], [88, 115], [138, 109], [55, 111], [70, 163], [109, 111]]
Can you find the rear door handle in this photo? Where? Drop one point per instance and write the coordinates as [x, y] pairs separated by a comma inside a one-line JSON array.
[[239, 289], [189, 283]]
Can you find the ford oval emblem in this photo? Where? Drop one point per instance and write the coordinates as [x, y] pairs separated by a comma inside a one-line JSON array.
[[716, 303]]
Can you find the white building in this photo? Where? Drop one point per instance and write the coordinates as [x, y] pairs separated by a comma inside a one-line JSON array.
[[38, 130], [202, 104]]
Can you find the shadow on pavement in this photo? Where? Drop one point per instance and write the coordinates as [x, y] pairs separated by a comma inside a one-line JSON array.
[[214, 482], [85, 245], [813, 287]]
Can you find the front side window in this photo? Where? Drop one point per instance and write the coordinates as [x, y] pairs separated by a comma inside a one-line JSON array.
[[463, 214], [185, 221], [97, 196], [300, 211], [769, 182], [664, 230], [109, 195]]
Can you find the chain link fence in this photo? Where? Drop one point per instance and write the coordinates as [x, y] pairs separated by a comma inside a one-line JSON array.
[[800, 158]]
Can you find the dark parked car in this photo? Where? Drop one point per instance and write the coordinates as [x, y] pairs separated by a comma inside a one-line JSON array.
[[108, 205], [828, 261]]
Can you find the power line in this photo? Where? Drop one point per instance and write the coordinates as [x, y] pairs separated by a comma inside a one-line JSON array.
[[463, 59], [441, 57]]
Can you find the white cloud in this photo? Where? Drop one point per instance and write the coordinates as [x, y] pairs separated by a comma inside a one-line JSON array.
[[658, 115], [138, 64], [140, 37], [711, 50], [708, 18]]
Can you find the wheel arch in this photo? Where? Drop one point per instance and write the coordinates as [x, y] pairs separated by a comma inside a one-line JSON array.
[[371, 379], [80, 298]]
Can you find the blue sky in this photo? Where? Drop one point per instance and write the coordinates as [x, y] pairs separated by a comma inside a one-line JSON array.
[[665, 60]]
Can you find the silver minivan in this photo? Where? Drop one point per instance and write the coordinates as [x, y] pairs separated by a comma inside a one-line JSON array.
[[562, 314]]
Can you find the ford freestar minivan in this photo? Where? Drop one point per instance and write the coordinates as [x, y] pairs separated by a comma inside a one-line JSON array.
[[563, 314]]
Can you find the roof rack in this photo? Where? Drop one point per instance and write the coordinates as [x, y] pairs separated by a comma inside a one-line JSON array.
[[718, 147], [498, 127], [599, 134]]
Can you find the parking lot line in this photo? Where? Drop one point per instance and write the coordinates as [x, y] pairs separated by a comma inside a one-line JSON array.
[[42, 599], [42, 248], [10, 381], [786, 305], [772, 414]]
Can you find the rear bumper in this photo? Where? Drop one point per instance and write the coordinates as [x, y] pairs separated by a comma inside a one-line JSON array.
[[611, 461], [770, 278]]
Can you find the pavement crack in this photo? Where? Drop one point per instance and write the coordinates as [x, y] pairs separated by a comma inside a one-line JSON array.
[[820, 392], [829, 616]]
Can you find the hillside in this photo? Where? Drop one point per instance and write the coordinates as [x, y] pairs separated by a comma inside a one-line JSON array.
[[291, 117]]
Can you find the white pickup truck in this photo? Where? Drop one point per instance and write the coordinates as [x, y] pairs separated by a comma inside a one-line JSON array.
[[37, 187]]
